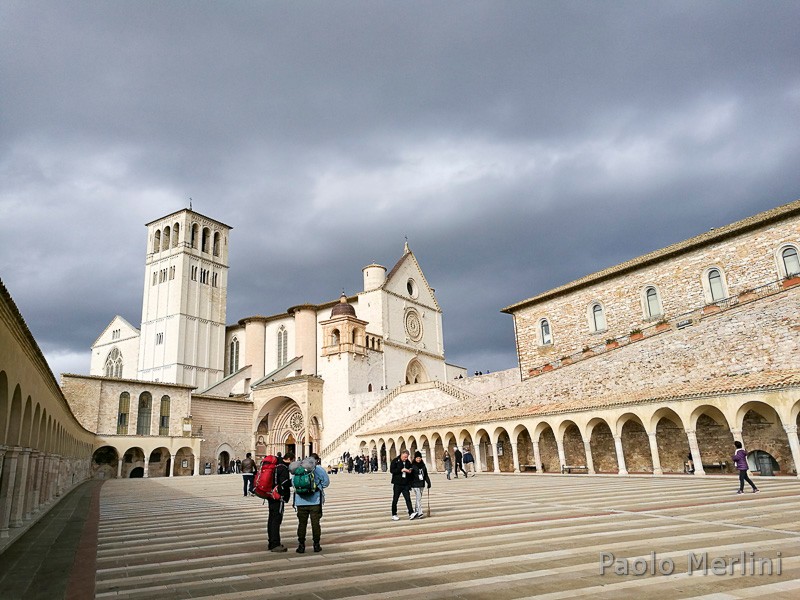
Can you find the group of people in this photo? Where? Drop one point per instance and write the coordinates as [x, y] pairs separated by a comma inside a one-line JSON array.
[[464, 463], [409, 475]]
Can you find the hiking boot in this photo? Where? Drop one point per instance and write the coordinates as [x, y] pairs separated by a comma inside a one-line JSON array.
[[317, 547], [395, 518], [755, 491], [279, 548], [301, 548]]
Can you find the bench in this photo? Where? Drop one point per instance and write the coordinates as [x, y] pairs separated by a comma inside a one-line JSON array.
[[574, 469], [527, 468], [722, 466]]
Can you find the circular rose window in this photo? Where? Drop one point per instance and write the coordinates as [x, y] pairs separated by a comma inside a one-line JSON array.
[[413, 325]]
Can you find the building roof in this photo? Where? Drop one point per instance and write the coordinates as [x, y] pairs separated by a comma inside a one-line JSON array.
[[705, 239]]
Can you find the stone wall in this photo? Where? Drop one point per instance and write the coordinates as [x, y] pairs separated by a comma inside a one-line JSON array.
[[227, 424]]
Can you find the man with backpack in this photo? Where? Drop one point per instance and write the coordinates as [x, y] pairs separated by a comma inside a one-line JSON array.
[[282, 483], [248, 474], [309, 480]]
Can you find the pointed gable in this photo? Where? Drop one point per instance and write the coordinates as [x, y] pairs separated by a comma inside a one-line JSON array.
[[126, 331], [406, 279]]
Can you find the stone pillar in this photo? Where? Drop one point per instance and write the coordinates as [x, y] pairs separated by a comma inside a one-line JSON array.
[[20, 487], [620, 455], [7, 488], [196, 466], [476, 454], [695, 450], [496, 459], [587, 448], [119, 467], [515, 457], [737, 435], [171, 466], [146, 467], [31, 484], [37, 485], [562, 460], [537, 457], [44, 479], [57, 488], [654, 453], [794, 444]]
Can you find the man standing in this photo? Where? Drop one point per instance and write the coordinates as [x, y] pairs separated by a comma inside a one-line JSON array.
[[275, 519], [248, 474], [310, 505], [401, 483], [458, 460]]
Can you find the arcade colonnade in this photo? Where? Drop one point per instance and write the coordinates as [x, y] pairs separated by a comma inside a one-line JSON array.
[[135, 456], [656, 438]]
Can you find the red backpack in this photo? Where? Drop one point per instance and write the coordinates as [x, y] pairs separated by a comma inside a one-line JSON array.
[[265, 485]]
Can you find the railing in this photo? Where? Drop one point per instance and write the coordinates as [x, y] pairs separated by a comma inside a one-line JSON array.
[[447, 388]]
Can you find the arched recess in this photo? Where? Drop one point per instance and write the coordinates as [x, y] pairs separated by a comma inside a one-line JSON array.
[[714, 437], [427, 455], [411, 444], [4, 407], [548, 449], [527, 460], [505, 455], [416, 372], [105, 462], [465, 440], [438, 451], [15, 418], [159, 462], [281, 424], [572, 440], [27, 419], [635, 444], [602, 447], [35, 427], [763, 431], [392, 450], [132, 459], [486, 451], [671, 440]]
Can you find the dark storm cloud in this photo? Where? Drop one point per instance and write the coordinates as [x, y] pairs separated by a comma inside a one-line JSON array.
[[518, 145]]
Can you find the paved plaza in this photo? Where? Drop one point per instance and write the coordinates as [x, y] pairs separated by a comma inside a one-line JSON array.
[[491, 536]]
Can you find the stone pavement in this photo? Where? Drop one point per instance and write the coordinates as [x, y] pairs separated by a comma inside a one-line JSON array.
[[491, 536]]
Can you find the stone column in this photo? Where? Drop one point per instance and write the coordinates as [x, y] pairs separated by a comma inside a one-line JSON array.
[[620, 455], [44, 479], [737, 435], [7, 488], [59, 483], [695, 450], [794, 444], [119, 467], [171, 466], [587, 448], [36, 493], [496, 459], [476, 454], [537, 457], [146, 467], [654, 453], [196, 466], [20, 487], [562, 460], [31, 481], [515, 456]]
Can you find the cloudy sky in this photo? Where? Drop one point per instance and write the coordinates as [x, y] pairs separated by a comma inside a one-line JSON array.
[[518, 145]]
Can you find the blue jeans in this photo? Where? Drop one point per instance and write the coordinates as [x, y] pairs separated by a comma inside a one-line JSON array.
[[247, 479]]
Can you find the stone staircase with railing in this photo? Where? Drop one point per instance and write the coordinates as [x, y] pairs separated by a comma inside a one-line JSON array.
[[449, 389]]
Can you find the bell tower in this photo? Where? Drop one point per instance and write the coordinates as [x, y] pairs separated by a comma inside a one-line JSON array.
[[184, 302]]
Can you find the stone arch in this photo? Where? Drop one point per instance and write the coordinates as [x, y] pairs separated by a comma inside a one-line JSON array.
[[427, 455], [714, 436], [183, 454], [522, 437], [635, 444], [224, 456], [502, 446], [15, 418], [393, 450], [486, 450], [548, 449], [411, 445], [35, 426], [572, 443], [159, 462], [671, 440], [105, 463], [762, 430], [132, 459], [281, 424], [27, 418], [4, 407], [602, 447], [416, 372], [438, 448]]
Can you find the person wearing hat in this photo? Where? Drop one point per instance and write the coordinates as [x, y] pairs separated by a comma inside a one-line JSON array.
[[401, 483], [419, 478]]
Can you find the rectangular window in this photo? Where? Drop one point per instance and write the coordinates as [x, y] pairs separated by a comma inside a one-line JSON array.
[[155, 277]]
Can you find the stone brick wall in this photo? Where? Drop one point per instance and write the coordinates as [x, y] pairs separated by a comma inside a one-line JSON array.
[[225, 422], [746, 261]]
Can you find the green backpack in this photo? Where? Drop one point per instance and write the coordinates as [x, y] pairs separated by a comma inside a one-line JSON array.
[[304, 482]]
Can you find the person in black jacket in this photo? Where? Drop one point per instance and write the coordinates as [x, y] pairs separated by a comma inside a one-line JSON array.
[[401, 482], [282, 480], [419, 478]]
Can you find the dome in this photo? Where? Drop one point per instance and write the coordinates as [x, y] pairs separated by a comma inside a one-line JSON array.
[[343, 308]]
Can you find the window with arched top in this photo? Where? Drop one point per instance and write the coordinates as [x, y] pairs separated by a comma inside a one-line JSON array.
[[715, 285], [157, 240], [216, 243], [113, 366], [790, 261], [283, 346], [234, 355], [544, 332], [369, 387], [145, 412], [195, 234], [165, 239], [163, 419], [122, 414], [597, 319], [335, 337], [652, 303], [206, 241], [175, 232]]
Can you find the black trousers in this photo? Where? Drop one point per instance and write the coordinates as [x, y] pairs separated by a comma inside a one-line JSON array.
[[274, 522], [303, 513], [404, 490], [743, 476]]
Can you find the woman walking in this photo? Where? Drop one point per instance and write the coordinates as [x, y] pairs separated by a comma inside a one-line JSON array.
[[740, 460], [419, 478], [448, 464]]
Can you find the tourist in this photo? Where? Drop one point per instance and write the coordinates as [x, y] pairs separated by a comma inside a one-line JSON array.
[[459, 465], [248, 474], [740, 460], [448, 464], [282, 482], [238, 466], [401, 482], [419, 479], [469, 463], [311, 506]]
